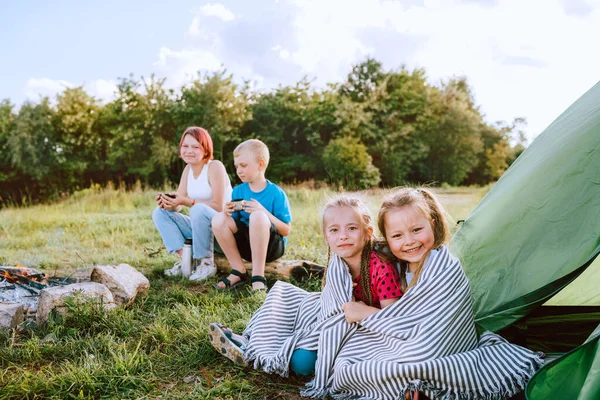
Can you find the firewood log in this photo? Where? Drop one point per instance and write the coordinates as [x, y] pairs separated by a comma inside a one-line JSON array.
[[298, 269]]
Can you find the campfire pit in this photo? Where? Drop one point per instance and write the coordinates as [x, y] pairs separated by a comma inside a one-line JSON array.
[[22, 285]]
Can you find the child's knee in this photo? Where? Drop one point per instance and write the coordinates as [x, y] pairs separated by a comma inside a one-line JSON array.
[[259, 218], [220, 222]]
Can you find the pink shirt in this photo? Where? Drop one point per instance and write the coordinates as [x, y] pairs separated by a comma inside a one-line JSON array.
[[385, 283]]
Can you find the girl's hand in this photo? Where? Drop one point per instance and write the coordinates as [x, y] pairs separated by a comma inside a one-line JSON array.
[[253, 205], [356, 311]]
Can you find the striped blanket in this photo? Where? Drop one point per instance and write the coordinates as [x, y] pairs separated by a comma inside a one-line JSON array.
[[425, 341]]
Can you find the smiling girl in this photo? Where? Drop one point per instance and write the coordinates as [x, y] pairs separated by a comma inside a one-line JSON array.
[[412, 222], [348, 232]]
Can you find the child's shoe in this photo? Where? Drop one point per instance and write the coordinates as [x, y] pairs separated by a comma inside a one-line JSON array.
[[205, 269], [175, 271], [222, 339]]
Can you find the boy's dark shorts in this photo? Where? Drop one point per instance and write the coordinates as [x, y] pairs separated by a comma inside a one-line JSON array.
[[275, 249]]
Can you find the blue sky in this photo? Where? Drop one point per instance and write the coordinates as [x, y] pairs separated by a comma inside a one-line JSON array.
[[523, 58]]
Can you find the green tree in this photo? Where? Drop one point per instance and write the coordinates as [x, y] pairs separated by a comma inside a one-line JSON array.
[[215, 103], [83, 149], [140, 130], [36, 152], [363, 80], [349, 164], [452, 134], [497, 154], [281, 119], [396, 139], [8, 175]]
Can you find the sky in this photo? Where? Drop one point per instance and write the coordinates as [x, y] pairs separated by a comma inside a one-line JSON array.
[[522, 58]]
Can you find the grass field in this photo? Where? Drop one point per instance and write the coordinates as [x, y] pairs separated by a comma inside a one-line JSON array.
[[158, 348]]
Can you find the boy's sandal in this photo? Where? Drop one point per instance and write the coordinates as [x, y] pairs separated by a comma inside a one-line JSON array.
[[258, 278], [220, 338], [228, 285]]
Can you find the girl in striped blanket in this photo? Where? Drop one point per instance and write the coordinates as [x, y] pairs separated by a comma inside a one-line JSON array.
[[349, 233], [412, 223], [422, 342]]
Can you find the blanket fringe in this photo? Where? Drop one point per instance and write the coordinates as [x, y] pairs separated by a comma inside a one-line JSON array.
[[310, 390], [512, 386], [271, 365]]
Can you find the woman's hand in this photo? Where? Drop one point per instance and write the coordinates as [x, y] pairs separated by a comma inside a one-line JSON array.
[[356, 311], [170, 203]]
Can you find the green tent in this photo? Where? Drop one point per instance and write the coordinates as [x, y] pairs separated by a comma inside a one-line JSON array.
[[527, 242]]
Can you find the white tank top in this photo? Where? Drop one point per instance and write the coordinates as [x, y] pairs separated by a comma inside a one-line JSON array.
[[199, 188]]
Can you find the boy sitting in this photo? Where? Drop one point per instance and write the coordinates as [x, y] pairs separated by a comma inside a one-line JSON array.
[[258, 232]]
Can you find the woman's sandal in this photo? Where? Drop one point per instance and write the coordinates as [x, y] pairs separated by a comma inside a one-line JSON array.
[[228, 285], [221, 340], [258, 278]]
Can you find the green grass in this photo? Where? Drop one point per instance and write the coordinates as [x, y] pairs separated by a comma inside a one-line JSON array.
[[158, 347]]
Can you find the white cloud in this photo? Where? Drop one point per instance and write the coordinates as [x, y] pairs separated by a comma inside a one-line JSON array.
[[217, 10], [101, 89], [181, 66], [194, 28], [35, 88], [523, 59]]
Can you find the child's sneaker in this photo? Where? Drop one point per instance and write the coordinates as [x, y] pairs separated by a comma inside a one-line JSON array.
[[224, 341], [175, 271], [204, 270]]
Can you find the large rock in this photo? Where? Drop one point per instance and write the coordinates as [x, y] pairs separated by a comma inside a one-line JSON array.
[[53, 298], [124, 282], [11, 315]]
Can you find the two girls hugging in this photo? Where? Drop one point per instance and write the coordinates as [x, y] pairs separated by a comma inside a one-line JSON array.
[[394, 318]]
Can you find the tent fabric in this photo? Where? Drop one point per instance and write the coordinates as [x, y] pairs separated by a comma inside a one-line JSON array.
[[583, 291], [554, 329], [576, 375], [538, 228]]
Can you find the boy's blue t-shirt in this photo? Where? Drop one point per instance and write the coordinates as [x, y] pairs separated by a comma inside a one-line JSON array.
[[272, 198]]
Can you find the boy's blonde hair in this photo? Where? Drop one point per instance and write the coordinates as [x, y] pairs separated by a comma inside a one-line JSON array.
[[427, 204], [361, 209], [256, 148]]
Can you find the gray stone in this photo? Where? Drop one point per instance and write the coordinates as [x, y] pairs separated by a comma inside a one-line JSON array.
[[53, 298], [11, 315], [124, 282]]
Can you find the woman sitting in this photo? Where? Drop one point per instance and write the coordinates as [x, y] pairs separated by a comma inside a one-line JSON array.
[[205, 188]]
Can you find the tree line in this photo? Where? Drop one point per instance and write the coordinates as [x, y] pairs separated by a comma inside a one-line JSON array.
[[377, 127]]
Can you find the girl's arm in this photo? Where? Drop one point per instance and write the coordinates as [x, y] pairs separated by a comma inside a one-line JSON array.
[[387, 284], [356, 311]]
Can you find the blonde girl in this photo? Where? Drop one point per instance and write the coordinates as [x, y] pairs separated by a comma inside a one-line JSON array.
[[348, 232], [412, 222]]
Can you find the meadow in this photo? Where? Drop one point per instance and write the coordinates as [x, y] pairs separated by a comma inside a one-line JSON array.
[[157, 348]]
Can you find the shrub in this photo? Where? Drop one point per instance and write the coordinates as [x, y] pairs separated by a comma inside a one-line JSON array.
[[349, 164]]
